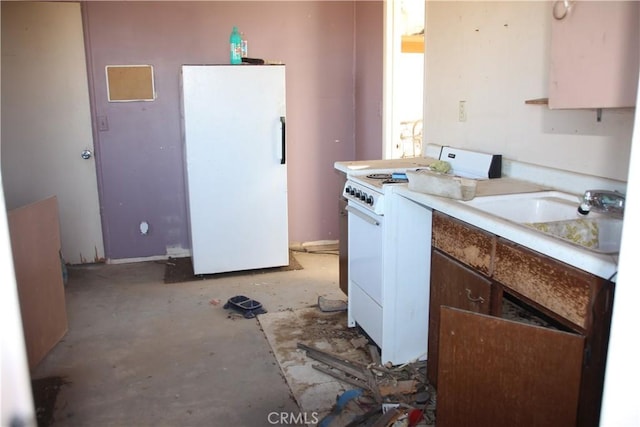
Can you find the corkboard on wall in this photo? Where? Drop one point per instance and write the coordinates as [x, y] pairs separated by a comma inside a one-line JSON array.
[[126, 83]]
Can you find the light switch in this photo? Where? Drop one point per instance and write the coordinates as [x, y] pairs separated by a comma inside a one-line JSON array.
[[103, 123]]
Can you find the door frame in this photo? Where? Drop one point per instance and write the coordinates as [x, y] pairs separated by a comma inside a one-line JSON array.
[[391, 49], [58, 137]]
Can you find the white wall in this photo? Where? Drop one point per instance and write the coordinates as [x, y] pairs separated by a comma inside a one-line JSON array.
[[620, 399], [494, 56], [16, 399]]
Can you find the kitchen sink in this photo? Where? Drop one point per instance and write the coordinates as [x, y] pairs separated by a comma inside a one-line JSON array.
[[543, 206], [596, 234], [556, 214]]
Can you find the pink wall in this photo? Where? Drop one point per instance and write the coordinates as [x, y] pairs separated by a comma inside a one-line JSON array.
[[140, 156], [368, 83]]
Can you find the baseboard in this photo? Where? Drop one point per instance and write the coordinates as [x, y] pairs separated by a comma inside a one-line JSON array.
[[315, 246], [174, 254]]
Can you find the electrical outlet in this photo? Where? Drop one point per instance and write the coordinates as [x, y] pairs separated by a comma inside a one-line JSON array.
[[462, 111]]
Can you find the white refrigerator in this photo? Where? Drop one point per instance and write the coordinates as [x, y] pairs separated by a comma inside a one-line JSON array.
[[234, 130]]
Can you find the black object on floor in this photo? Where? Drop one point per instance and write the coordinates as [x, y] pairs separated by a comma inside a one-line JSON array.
[[248, 307], [178, 270], [45, 392]]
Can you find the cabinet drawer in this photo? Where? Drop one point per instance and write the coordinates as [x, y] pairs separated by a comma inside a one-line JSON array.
[[466, 243], [556, 286], [366, 313]]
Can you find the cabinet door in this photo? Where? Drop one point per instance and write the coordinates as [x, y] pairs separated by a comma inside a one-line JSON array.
[[594, 55], [495, 372], [452, 285]]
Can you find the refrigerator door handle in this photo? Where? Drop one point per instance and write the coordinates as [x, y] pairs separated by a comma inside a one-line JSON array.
[[284, 140]]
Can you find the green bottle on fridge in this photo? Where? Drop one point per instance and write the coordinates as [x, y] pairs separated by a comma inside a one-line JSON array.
[[236, 46]]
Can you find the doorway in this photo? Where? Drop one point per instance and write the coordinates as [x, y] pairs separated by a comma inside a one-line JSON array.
[[47, 138], [403, 93]]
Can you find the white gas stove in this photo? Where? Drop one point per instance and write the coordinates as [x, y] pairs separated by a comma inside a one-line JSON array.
[[389, 259]]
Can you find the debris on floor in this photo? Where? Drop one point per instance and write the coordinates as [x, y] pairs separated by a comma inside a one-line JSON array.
[[383, 395], [45, 392], [335, 372], [248, 307], [330, 305], [314, 392], [342, 401]]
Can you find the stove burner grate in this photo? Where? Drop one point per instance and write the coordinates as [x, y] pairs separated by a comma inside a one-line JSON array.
[[395, 181]]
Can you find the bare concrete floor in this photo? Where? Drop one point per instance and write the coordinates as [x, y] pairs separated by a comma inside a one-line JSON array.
[[140, 352]]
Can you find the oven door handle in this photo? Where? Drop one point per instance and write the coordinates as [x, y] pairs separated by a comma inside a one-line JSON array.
[[362, 215]]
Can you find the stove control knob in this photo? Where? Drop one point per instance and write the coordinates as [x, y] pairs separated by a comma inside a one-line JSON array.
[[370, 200], [347, 190], [358, 194], [363, 196], [352, 191]]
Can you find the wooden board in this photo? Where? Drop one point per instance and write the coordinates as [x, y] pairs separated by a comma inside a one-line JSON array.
[[35, 243], [458, 188], [500, 186]]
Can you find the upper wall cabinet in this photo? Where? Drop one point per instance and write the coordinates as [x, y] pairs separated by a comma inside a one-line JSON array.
[[594, 54]]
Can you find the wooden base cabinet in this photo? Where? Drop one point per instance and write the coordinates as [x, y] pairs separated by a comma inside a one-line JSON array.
[[452, 285], [489, 370], [495, 372]]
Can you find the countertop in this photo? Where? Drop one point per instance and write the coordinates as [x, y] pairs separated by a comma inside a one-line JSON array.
[[360, 167], [601, 265]]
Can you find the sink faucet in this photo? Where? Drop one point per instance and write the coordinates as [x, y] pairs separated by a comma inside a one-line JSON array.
[[604, 201]]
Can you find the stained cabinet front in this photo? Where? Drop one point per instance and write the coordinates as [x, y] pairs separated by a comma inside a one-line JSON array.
[[473, 271]]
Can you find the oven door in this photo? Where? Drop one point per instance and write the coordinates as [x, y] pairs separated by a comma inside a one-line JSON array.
[[365, 271], [365, 251]]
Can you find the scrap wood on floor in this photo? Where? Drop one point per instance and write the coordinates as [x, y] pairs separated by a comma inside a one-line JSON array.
[[314, 392], [395, 394], [330, 390]]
